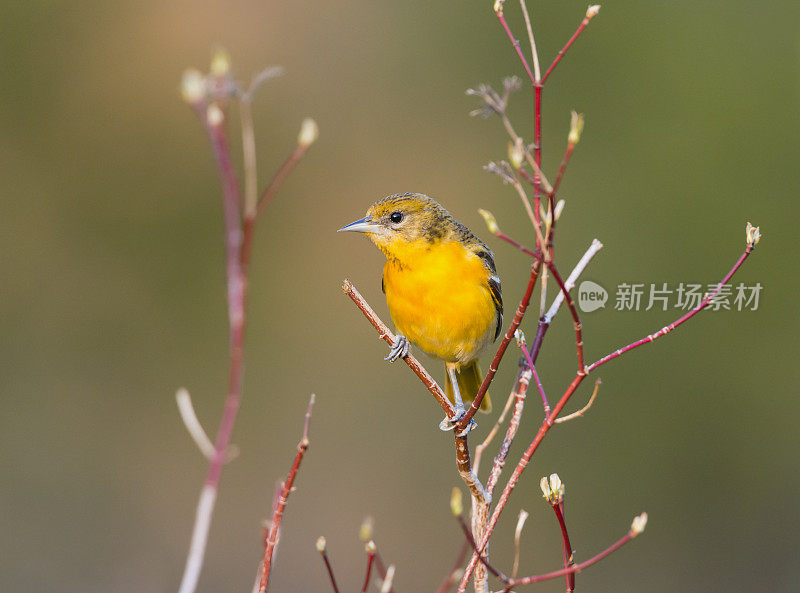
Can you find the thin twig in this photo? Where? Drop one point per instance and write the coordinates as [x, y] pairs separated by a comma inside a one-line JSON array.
[[277, 515], [523, 382], [665, 330], [386, 586], [575, 568], [523, 516], [322, 548], [590, 13], [575, 318], [532, 367], [483, 559], [382, 571], [249, 156], [280, 176], [192, 424], [572, 279], [498, 10], [479, 449], [584, 409], [534, 54], [494, 228], [456, 571], [370, 561]]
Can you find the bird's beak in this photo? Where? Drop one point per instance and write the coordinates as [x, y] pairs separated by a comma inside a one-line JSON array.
[[363, 225]]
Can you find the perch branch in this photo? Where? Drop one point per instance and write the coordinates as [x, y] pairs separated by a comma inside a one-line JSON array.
[[386, 335]]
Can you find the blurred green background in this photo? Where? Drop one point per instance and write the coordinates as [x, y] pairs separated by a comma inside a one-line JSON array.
[[113, 289]]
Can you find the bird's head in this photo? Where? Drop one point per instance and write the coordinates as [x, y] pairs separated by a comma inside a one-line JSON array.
[[398, 222]]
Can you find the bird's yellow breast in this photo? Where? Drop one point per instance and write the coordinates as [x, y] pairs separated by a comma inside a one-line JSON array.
[[439, 298]]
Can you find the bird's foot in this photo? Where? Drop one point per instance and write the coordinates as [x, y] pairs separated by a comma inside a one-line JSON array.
[[451, 423], [399, 348]]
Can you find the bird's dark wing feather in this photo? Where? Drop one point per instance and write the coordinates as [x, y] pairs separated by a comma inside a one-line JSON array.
[[494, 288], [497, 298]]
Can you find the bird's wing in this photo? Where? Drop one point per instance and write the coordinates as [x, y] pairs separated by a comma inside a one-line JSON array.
[[494, 287]]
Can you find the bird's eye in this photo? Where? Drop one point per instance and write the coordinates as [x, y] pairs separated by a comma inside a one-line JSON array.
[[396, 217]]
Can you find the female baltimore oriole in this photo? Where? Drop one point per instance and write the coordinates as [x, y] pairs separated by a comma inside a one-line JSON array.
[[441, 287]]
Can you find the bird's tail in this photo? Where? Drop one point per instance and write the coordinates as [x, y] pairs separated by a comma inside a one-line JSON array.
[[469, 381]]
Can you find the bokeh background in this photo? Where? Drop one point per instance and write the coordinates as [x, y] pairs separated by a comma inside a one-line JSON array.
[[113, 293]]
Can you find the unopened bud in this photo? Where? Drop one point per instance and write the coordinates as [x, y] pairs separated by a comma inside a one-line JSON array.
[[365, 532], [753, 234], [321, 544], [490, 220], [456, 503], [214, 115], [515, 153], [545, 214], [370, 547], [193, 86], [220, 63], [558, 209], [519, 336], [638, 524], [523, 516], [498, 6], [309, 132], [592, 11], [575, 127]]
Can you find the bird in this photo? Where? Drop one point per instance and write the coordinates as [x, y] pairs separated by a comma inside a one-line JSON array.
[[441, 288]]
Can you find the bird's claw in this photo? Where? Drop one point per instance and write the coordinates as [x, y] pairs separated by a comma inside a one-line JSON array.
[[451, 423], [399, 349]]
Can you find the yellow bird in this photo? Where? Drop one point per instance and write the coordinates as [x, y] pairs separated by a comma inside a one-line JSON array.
[[441, 287]]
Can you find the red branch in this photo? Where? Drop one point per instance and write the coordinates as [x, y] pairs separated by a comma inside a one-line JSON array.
[[589, 14], [281, 176], [236, 294], [324, 553], [570, 570], [562, 168], [575, 567], [665, 330], [566, 546], [550, 420], [277, 515], [386, 335], [573, 311], [370, 561], [515, 43], [452, 576]]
